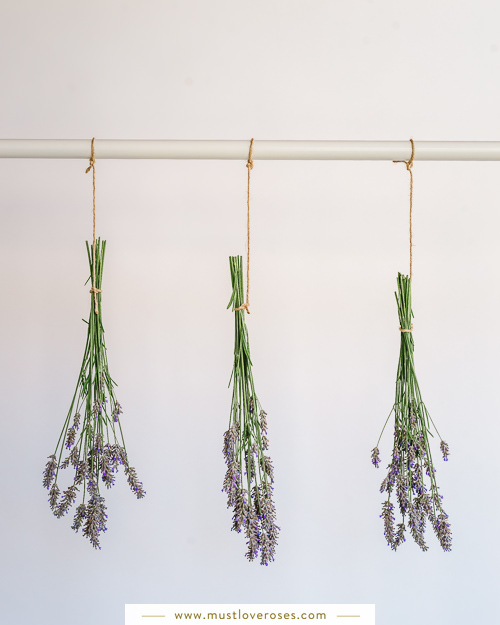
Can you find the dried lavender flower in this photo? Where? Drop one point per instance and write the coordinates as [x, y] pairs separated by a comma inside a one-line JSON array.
[[98, 448], [263, 421], [95, 520], [79, 517], [49, 474], [68, 499], [267, 466], [269, 529], [445, 450], [375, 457], [411, 455], [53, 497], [248, 469], [443, 532], [133, 482], [240, 513], [388, 517], [117, 411]]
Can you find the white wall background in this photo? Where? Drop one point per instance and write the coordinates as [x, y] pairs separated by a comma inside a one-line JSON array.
[[328, 241]]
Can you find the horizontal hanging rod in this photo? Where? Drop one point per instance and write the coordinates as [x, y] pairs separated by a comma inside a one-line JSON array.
[[262, 150]]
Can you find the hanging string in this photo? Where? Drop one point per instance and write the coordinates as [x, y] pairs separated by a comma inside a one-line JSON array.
[[409, 165], [246, 305], [92, 167]]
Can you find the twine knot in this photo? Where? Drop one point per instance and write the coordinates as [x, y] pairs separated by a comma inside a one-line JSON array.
[[92, 157], [244, 307], [250, 161], [95, 290], [91, 164], [410, 329], [409, 162]]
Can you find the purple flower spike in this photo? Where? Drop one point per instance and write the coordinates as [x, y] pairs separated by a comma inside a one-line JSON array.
[[375, 457], [445, 450]]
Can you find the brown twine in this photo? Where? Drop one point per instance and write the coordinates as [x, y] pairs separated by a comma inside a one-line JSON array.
[[246, 305], [92, 167], [410, 329], [409, 165]]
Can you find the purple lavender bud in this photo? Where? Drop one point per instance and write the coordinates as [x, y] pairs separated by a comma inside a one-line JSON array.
[[412, 454], [49, 473], [231, 483], [81, 473], [53, 497], [445, 450], [108, 466], [399, 537], [443, 531], [123, 456], [74, 456], [133, 482], [97, 408], [265, 442], [263, 421], [413, 417], [79, 517], [95, 520], [240, 514], [92, 486], [417, 524], [269, 529], [417, 480], [251, 405], [230, 438], [70, 437], [402, 493], [117, 410], [68, 499], [375, 457], [252, 533], [429, 467], [387, 516], [98, 444], [116, 455], [267, 466]]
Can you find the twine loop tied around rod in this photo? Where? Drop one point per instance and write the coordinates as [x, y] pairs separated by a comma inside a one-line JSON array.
[[409, 165], [91, 166], [246, 305]]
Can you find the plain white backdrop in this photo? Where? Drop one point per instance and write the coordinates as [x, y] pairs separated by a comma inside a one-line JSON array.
[[328, 239]]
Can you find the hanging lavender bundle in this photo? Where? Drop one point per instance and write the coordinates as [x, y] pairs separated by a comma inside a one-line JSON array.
[[411, 478], [92, 435], [249, 476]]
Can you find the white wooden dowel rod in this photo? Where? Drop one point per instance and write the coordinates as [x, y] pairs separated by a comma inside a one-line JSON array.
[[262, 150]]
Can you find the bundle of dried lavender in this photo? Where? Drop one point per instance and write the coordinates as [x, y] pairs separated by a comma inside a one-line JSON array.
[[249, 476], [411, 455], [98, 448]]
